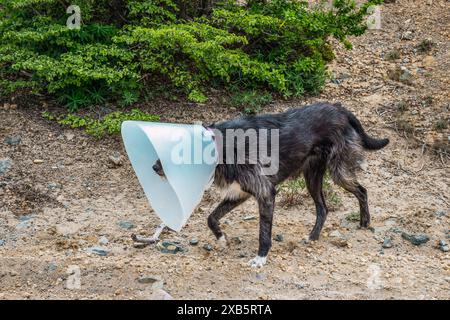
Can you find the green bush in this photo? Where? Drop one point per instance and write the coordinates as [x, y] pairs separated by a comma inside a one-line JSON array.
[[252, 101], [125, 47], [109, 124]]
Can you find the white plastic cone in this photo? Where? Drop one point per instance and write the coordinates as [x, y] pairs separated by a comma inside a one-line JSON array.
[[188, 157]]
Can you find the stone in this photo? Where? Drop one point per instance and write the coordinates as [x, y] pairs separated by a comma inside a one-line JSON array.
[[5, 165], [406, 77], [2, 242], [53, 186], [151, 279], [443, 246], [416, 239], [69, 136], [38, 161], [127, 225], [236, 240], [98, 251], [279, 238], [51, 267], [13, 141], [248, 218], [261, 276], [103, 240], [387, 243], [168, 247], [407, 35], [23, 224], [338, 239], [440, 214], [115, 159], [208, 247], [193, 242]]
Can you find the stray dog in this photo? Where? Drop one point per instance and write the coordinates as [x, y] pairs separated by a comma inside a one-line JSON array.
[[312, 139]]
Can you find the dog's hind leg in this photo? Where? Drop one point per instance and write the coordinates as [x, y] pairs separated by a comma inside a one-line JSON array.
[[222, 209], [314, 173], [347, 180]]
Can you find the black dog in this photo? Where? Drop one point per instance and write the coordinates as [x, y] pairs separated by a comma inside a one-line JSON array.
[[312, 139]]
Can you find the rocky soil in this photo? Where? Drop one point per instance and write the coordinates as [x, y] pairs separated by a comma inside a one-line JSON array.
[[67, 209]]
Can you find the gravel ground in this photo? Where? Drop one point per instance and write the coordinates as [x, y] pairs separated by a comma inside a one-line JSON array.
[[67, 212]]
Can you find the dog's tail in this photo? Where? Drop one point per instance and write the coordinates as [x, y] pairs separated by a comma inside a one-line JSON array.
[[369, 143]]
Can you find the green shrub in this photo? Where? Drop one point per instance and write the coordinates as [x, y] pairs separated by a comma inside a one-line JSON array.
[[126, 46], [293, 189], [425, 45], [110, 124], [251, 101]]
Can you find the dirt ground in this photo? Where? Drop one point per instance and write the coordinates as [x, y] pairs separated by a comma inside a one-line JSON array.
[[53, 212]]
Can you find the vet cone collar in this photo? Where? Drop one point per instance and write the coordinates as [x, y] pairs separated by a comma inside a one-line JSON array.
[[188, 157]]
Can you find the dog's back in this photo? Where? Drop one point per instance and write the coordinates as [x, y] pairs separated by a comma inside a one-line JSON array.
[[318, 131]]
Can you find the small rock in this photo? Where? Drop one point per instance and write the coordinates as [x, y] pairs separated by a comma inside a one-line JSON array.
[[149, 279], [139, 245], [69, 136], [416, 240], [443, 246], [193, 242], [407, 35], [5, 165], [13, 141], [248, 218], [299, 285], [51, 267], [127, 225], [387, 243], [103, 240], [338, 239], [23, 225], [261, 276], [38, 161], [98, 251], [208, 247], [115, 159], [279, 238], [2, 242], [335, 234], [440, 214], [236, 240], [242, 255], [168, 247], [406, 77], [53, 186]]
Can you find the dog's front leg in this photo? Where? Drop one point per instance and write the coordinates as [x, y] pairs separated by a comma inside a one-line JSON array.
[[222, 209], [153, 239], [266, 207]]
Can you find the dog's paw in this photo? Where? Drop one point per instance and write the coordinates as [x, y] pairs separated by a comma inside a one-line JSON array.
[[257, 262], [222, 242]]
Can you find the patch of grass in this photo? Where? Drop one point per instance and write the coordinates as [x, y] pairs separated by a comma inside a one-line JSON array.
[[109, 124], [425, 45], [428, 101], [251, 101], [292, 192], [406, 126], [401, 106], [441, 124], [353, 217], [393, 55]]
